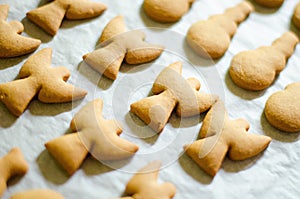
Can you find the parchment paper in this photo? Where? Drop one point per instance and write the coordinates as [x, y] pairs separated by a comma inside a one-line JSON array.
[[272, 174]]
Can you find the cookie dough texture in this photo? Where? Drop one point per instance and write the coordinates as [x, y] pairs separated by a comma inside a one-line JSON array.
[[220, 136], [12, 43], [270, 3], [211, 38], [296, 16], [50, 16], [256, 70], [166, 11], [37, 194], [282, 109]]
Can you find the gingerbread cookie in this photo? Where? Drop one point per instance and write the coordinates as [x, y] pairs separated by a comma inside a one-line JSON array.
[[270, 3], [11, 165], [171, 91], [166, 11], [211, 38], [38, 78], [143, 185], [92, 133], [50, 16], [296, 16], [282, 109], [120, 45], [37, 194], [220, 136], [256, 69], [12, 44]]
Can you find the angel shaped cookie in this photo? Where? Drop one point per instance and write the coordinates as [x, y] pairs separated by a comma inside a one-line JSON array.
[[38, 78], [171, 91], [144, 185], [220, 136], [50, 16], [167, 10], [11, 165], [282, 109], [92, 134], [12, 44], [211, 38], [256, 69], [37, 194], [118, 46]]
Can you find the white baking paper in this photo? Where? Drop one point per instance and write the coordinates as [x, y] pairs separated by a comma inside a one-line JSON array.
[[272, 174]]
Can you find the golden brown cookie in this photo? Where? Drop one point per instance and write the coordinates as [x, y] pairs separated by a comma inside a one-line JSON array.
[[50, 16], [143, 185], [92, 133], [282, 109], [12, 44], [256, 69], [220, 136], [37, 194], [38, 78], [270, 3], [120, 45], [171, 91], [11, 165], [296, 16], [211, 38], [167, 10]]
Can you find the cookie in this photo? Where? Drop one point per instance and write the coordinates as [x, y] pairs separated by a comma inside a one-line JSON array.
[[12, 44], [38, 78], [37, 194], [270, 3], [12, 164], [50, 16], [144, 184], [171, 91], [296, 16], [166, 11], [211, 38], [256, 70], [220, 136], [282, 109], [92, 133], [120, 45]]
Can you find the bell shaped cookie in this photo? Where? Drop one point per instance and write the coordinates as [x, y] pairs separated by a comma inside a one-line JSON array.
[[12, 44], [171, 91], [92, 134], [50, 16], [144, 185], [270, 3], [166, 11], [282, 109], [211, 38], [38, 78], [220, 136], [256, 70], [37, 194], [11, 165], [118, 46]]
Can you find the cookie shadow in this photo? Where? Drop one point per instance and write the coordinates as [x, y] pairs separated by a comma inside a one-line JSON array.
[[181, 122], [148, 22], [96, 78], [10, 62], [195, 59], [51, 169], [34, 31], [68, 24], [263, 10], [240, 92], [275, 133], [134, 68], [6, 118], [140, 129], [192, 169], [237, 166], [92, 167], [42, 109]]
